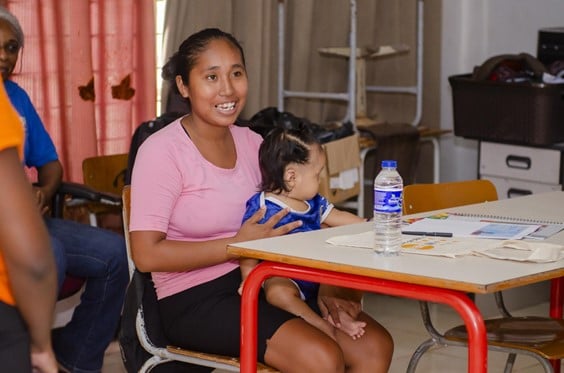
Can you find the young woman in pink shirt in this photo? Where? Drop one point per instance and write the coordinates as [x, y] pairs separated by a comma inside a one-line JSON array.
[[189, 187]]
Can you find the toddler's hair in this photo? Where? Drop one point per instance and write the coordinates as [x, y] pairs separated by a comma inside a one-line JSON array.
[[281, 147]]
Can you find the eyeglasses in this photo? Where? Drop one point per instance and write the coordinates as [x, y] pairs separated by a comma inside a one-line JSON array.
[[11, 47]]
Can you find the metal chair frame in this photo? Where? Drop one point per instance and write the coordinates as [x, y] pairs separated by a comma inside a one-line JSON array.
[[445, 195], [165, 354]]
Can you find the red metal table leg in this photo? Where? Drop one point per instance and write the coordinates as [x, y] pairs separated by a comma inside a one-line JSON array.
[[556, 299], [477, 351]]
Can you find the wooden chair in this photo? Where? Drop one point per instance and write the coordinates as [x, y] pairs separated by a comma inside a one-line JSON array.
[[105, 173], [426, 197], [539, 337], [167, 353]]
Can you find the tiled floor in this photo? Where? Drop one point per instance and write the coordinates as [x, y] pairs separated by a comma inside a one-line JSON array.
[[401, 317]]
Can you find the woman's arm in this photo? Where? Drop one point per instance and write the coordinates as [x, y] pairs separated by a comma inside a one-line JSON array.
[[172, 191], [49, 178], [27, 253], [152, 252]]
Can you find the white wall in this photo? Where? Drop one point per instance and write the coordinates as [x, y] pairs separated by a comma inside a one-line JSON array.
[[473, 31]]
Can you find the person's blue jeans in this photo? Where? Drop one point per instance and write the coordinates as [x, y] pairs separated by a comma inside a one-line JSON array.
[[98, 255]]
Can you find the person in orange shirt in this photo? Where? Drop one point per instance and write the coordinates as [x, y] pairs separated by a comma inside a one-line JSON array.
[[98, 255], [28, 284]]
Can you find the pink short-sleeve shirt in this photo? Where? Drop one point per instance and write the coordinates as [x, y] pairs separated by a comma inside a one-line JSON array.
[[178, 192]]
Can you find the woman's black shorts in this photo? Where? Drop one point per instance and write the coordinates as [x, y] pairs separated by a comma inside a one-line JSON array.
[[207, 317]]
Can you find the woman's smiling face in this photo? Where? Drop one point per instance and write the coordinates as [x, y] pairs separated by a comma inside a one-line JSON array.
[[218, 84]]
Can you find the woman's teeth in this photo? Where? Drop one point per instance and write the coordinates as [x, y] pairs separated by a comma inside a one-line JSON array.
[[226, 106]]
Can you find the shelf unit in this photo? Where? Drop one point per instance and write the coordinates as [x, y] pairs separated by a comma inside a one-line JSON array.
[[350, 96], [353, 55]]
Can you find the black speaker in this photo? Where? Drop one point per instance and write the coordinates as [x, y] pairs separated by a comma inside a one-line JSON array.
[[550, 45]]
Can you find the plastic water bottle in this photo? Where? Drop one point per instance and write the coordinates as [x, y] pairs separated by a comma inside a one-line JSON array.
[[388, 195]]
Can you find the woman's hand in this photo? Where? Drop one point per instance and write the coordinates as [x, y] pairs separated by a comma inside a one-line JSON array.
[[41, 200], [252, 229], [44, 362], [330, 306]]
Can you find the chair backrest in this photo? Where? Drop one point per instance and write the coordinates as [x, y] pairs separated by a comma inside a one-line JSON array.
[[105, 173], [427, 197], [141, 134], [126, 203], [139, 336]]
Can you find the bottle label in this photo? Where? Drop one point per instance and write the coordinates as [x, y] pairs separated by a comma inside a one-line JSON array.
[[388, 200]]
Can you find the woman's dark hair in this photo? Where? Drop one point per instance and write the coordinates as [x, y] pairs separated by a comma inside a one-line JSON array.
[[281, 147], [14, 24], [183, 61]]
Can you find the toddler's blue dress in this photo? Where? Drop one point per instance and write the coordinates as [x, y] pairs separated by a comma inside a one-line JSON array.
[[311, 219]]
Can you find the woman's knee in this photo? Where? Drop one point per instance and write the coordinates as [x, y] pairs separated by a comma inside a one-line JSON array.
[[374, 349], [300, 347], [315, 356], [323, 359], [380, 337]]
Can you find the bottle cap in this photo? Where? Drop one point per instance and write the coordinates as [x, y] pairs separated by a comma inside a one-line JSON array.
[[389, 164]]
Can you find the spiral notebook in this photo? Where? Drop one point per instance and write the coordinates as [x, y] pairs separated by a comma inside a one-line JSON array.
[[526, 209], [547, 226], [470, 227], [508, 219]]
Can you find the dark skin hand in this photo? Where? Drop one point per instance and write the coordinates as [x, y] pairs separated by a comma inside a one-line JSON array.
[[49, 177], [332, 298]]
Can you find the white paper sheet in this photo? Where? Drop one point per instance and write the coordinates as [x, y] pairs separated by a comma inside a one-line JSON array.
[[523, 251]]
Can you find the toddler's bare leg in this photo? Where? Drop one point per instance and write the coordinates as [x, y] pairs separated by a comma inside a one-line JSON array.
[[246, 265], [283, 293]]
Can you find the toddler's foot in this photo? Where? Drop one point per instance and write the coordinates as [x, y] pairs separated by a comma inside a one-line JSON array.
[[326, 327], [350, 326]]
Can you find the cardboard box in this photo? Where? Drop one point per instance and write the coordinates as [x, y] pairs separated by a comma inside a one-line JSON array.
[[340, 180]]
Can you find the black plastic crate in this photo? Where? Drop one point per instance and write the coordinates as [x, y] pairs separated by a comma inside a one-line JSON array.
[[518, 113]]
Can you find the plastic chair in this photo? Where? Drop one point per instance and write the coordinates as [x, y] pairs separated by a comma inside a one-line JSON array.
[[539, 337], [149, 334]]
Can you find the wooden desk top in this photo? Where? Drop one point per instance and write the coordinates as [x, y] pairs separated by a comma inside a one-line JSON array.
[[432, 132], [388, 129], [470, 273]]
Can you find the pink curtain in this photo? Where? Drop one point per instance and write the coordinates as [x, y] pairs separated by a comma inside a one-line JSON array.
[[89, 68]]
